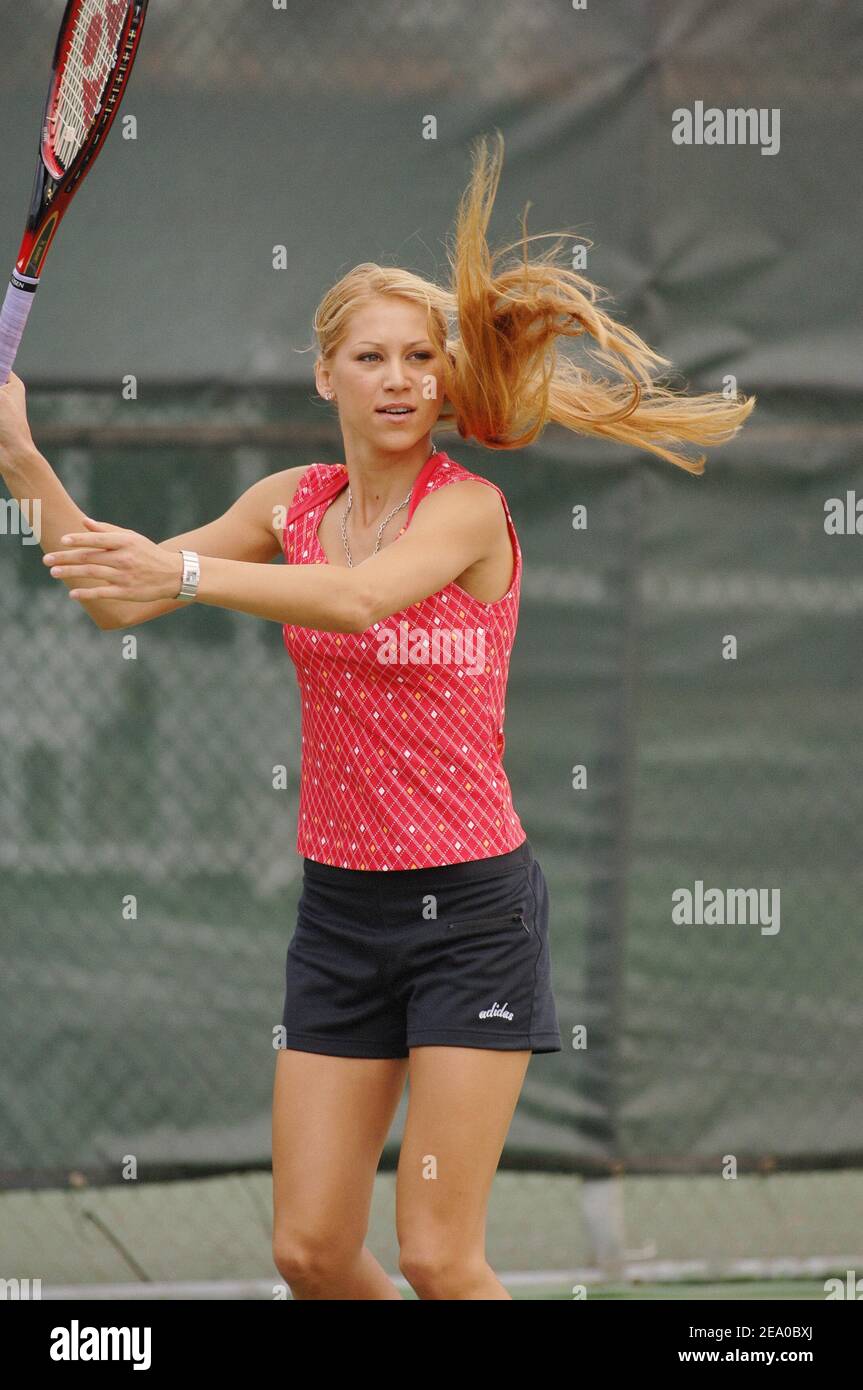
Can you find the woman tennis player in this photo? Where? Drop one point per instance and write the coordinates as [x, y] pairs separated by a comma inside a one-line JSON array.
[[421, 946]]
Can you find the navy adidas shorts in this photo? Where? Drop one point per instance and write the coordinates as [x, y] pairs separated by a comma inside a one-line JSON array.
[[385, 960]]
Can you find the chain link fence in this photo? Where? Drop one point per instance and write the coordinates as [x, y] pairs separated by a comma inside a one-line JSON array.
[[169, 772]]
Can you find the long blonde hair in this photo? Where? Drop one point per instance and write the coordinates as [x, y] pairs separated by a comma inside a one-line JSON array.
[[504, 376]]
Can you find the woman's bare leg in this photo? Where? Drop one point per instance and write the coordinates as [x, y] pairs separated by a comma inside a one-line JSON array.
[[462, 1101], [331, 1116]]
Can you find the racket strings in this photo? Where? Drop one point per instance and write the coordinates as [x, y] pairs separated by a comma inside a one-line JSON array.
[[90, 60]]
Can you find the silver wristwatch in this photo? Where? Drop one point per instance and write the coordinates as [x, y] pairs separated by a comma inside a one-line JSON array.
[[191, 575]]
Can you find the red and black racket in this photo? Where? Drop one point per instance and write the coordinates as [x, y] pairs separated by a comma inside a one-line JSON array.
[[95, 51]]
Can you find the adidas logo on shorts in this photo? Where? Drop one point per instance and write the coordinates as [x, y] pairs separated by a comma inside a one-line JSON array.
[[496, 1011]]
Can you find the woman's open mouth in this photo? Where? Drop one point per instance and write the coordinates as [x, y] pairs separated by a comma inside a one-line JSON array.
[[396, 412]]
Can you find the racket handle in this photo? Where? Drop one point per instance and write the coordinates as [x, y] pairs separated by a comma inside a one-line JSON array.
[[13, 318]]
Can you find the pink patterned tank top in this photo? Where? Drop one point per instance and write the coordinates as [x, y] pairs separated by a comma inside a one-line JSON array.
[[402, 725]]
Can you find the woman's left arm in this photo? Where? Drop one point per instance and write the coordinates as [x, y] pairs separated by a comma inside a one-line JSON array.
[[453, 528]]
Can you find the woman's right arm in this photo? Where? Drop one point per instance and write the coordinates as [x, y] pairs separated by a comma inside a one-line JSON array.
[[248, 530]]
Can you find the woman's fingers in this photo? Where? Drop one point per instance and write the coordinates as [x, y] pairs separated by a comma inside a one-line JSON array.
[[98, 593], [102, 539], [73, 556], [81, 571]]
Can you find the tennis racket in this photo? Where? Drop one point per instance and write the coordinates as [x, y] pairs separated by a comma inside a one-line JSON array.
[[96, 48]]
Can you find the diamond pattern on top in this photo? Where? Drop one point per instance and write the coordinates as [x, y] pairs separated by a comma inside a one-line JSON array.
[[402, 760]]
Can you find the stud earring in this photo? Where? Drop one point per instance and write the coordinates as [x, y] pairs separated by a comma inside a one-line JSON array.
[[328, 395]]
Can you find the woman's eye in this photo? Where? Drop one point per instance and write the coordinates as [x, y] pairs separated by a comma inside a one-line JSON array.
[[422, 352]]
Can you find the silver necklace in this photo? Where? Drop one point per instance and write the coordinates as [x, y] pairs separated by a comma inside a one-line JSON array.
[[383, 523]]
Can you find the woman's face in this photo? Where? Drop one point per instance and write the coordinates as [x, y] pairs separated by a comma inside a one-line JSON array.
[[386, 359]]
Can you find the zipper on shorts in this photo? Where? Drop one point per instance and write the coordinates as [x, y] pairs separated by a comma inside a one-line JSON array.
[[490, 923]]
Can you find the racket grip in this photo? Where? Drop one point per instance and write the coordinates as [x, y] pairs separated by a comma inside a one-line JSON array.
[[13, 319]]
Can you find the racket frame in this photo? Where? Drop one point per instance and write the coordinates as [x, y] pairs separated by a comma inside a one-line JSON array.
[[54, 188], [54, 191]]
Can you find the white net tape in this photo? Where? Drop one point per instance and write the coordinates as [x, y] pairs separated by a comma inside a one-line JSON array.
[[91, 58]]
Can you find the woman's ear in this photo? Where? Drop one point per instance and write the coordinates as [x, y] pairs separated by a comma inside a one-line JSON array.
[[321, 384]]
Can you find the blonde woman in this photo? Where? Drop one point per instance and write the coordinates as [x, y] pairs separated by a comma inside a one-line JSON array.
[[421, 947]]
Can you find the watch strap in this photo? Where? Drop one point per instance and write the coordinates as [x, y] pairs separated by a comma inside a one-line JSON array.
[[191, 575]]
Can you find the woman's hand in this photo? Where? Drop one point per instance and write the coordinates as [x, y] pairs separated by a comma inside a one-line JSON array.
[[15, 435], [131, 566]]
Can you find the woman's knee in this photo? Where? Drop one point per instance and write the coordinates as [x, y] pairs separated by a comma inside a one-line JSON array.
[[437, 1269], [305, 1257]]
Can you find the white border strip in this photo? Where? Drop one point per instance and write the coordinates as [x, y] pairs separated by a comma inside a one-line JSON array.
[[653, 1272]]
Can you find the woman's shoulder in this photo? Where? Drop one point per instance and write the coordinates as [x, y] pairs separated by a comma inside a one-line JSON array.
[[291, 482], [459, 493], [309, 483], [450, 471], [288, 492], [318, 475]]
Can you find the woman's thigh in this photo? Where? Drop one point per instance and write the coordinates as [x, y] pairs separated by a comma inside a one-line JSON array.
[[331, 1116], [462, 1100]]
